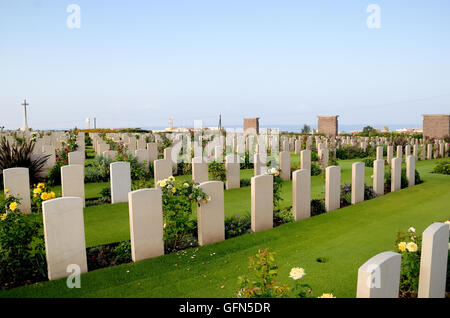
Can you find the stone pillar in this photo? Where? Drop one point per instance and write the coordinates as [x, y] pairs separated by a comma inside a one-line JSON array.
[[64, 236], [416, 151], [262, 202], [72, 181], [142, 155], [233, 172], [379, 152], [49, 150], [285, 165], [298, 146], [199, 170], [211, 215], [407, 150], [162, 170], [324, 156], [423, 152], [433, 261], [358, 172], [396, 174], [411, 170], [120, 181], [332, 188], [301, 194], [378, 176], [379, 277], [17, 181], [305, 159], [152, 148], [256, 164], [390, 154], [146, 223], [76, 158], [399, 152], [429, 151]]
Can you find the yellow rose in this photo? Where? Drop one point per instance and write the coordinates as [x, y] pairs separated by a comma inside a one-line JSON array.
[[174, 190], [402, 246], [4, 215], [13, 206], [162, 183], [326, 296], [297, 273], [35, 195], [41, 185], [411, 247], [171, 178], [44, 196], [6, 190], [37, 190], [52, 195], [186, 185]]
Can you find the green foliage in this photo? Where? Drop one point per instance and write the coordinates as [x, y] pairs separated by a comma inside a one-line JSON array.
[[409, 244], [346, 194], [306, 129], [237, 225], [177, 201], [442, 167], [246, 182], [404, 180], [20, 154], [283, 216], [123, 252], [263, 283], [245, 161], [22, 250], [138, 171], [368, 161], [317, 207], [351, 152], [277, 185], [98, 170], [315, 169], [217, 170]]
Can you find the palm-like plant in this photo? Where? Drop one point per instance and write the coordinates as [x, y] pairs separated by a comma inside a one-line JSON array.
[[20, 154]]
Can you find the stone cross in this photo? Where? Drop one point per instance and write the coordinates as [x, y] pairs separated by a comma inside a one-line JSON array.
[[25, 124]]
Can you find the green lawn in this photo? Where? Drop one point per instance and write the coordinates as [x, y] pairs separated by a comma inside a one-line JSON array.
[[345, 238]]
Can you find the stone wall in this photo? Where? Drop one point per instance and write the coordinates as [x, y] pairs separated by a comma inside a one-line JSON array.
[[436, 125], [251, 123], [328, 125]]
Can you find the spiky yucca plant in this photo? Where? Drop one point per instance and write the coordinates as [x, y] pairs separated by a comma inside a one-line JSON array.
[[19, 154]]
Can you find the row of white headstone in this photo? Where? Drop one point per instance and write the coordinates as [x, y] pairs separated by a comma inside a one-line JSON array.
[[145, 208], [379, 277]]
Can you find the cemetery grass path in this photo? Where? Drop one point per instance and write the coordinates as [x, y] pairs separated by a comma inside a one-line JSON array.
[[344, 238]]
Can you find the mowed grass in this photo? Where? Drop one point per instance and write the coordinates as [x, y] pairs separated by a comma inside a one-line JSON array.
[[345, 239]]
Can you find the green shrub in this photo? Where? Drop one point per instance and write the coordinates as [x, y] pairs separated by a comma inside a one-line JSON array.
[[20, 154], [404, 180], [22, 250], [368, 161], [237, 225], [123, 252], [409, 244], [283, 216], [245, 182], [217, 170], [442, 167], [315, 169], [317, 207]]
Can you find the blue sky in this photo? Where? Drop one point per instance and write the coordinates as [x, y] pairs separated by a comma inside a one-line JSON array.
[[137, 63]]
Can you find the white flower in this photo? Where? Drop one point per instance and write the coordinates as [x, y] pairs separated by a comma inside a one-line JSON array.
[[412, 230], [297, 273]]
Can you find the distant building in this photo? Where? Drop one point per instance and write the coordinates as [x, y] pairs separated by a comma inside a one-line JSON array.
[[328, 125], [251, 124], [437, 125]]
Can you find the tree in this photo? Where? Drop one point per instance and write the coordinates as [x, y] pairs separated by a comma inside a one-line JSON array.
[[368, 130], [306, 129]]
